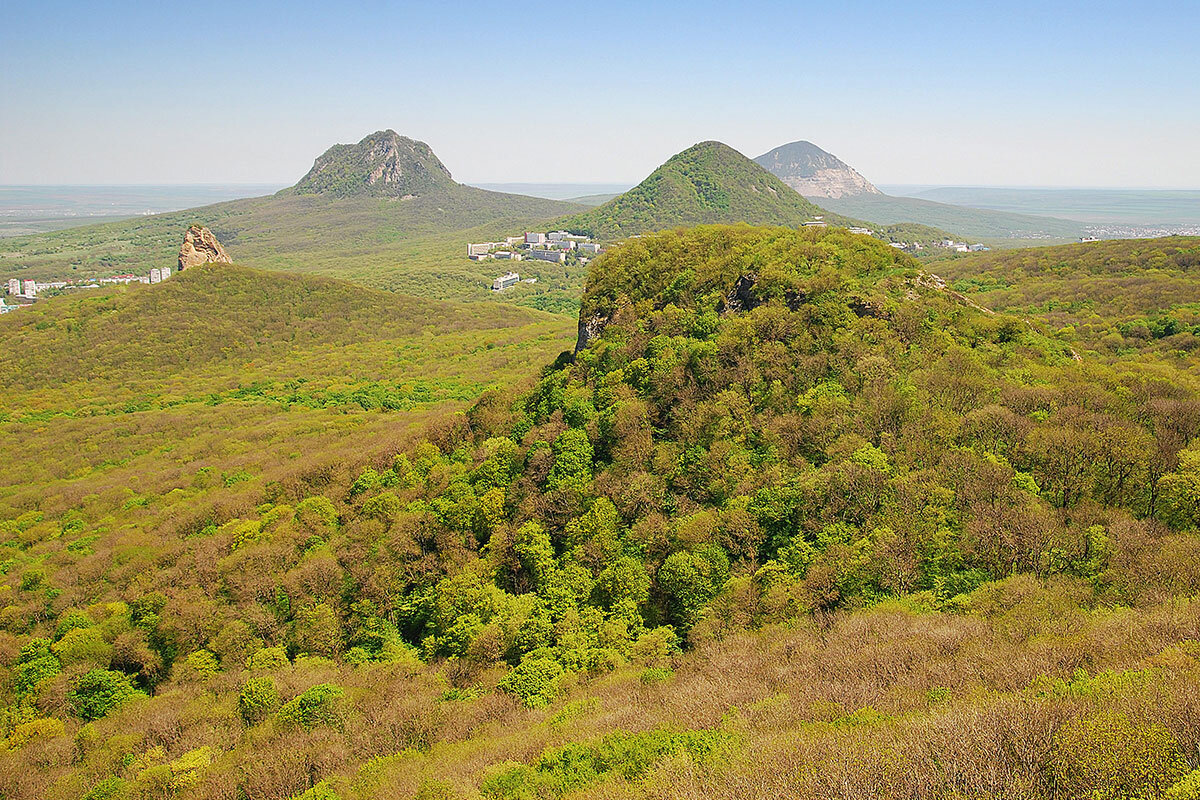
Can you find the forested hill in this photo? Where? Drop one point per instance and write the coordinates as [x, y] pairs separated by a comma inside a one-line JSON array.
[[707, 183], [216, 313], [791, 518], [1119, 297]]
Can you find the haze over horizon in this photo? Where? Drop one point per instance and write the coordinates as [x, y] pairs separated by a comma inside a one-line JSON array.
[[1018, 94]]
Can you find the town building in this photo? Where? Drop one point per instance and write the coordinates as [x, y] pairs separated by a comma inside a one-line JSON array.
[[504, 281], [155, 275], [480, 248], [506, 255], [816, 223], [535, 238], [1088, 239], [166, 273], [29, 288], [14, 286], [589, 247], [864, 231], [557, 256]]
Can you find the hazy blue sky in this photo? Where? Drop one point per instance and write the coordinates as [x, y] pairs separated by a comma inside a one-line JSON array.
[[956, 92]]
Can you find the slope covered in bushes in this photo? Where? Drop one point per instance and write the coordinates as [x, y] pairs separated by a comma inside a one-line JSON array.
[[788, 497]]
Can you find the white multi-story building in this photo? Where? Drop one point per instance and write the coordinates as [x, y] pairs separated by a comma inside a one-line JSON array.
[[589, 247], [506, 280], [29, 288], [480, 248], [14, 286], [155, 275], [535, 238], [166, 273]]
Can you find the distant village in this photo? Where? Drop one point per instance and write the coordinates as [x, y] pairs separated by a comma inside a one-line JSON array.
[[556, 247], [25, 291]]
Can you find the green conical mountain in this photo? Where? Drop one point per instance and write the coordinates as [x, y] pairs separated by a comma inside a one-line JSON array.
[[383, 164], [708, 183]]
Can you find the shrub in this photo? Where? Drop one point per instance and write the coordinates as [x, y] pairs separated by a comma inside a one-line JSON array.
[[320, 791], [652, 675], [1109, 757], [268, 658], [106, 789], [201, 665], [314, 706], [258, 699], [534, 681], [317, 514], [99, 692], [1186, 788]]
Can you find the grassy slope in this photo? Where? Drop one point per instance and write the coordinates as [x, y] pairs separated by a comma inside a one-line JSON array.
[[244, 350], [993, 226], [414, 245]]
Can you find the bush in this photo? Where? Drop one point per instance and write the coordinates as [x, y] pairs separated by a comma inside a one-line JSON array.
[[258, 699], [652, 675], [268, 658], [1109, 757], [534, 681], [1187, 788], [106, 789], [99, 692], [315, 706]]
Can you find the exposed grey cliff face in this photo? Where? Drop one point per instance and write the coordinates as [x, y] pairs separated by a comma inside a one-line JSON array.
[[814, 173]]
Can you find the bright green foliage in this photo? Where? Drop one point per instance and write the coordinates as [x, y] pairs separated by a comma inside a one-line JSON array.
[[629, 755], [268, 658], [1181, 493], [203, 664], [1109, 757], [317, 513], [690, 580], [534, 681], [1186, 788], [258, 699], [319, 791], [83, 646], [35, 664], [709, 182], [98, 692], [532, 545], [572, 461], [623, 581], [316, 705], [106, 789]]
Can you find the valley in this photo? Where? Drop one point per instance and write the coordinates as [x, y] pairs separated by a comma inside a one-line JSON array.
[[747, 505]]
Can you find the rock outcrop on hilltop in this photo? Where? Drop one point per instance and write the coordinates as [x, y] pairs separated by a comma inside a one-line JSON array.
[[200, 246], [383, 164], [814, 173]]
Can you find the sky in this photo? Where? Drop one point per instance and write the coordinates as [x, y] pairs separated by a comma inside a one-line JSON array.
[[955, 93]]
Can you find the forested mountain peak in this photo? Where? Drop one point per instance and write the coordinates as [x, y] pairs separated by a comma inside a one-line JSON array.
[[709, 182], [383, 164]]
